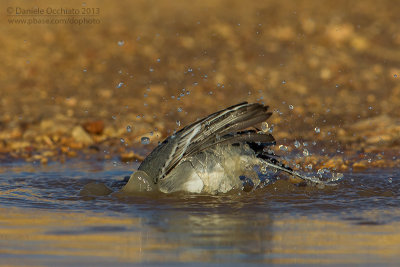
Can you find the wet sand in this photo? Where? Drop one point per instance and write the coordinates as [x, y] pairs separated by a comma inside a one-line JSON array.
[[103, 239]]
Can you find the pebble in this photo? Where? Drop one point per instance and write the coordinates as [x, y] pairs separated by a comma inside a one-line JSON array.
[[130, 156], [80, 135], [94, 127]]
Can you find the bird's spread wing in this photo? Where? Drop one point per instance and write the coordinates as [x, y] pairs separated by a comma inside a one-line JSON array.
[[221, 127]]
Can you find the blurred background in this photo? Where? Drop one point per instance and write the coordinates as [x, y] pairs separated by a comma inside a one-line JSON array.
[[131, 69]]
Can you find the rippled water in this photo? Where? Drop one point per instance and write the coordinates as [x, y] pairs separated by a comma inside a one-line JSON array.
[[44, 221]]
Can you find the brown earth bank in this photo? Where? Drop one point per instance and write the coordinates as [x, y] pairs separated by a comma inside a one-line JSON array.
[[330, 71]]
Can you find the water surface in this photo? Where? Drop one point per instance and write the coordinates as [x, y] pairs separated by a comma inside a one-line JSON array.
[[44, 221]]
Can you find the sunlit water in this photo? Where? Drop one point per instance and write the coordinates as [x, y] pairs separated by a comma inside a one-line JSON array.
[[44, 221]]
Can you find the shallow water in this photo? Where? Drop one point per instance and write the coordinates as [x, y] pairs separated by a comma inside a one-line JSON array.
[[44, 221]]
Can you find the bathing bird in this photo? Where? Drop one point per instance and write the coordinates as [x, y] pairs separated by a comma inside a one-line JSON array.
[[219, 153]]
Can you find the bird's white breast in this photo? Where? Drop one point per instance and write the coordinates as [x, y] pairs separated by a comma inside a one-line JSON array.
[[215, 170]]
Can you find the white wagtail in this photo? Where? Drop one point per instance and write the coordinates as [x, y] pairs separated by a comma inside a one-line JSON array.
[[213, 155]]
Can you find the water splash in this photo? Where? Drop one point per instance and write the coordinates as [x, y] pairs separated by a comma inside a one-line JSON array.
[[145, 140], [297, 144], [264, 127], [283, 148]]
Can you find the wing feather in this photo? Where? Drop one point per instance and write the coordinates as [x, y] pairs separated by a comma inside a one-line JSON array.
[[208, 132]]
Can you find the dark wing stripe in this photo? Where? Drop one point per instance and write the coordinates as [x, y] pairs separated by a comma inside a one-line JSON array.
[[214, 115], [265, 139], [232, 128], [227, 123], [246, 123], [179, 149]]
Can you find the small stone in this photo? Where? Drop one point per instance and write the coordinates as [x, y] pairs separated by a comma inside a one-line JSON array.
[[95, 189], [130, 156], [94, 127], [81, 135], [44, 160]]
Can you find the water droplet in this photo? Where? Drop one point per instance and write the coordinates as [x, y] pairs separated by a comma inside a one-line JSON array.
[[121, 43], [283, 148], [122, 140], [297, 144], [264, 127], [291, 107], [128, 128], [314, 143], [178, 123], [145, 140], [317, 130], [305, 152], [179, 109], [119, 85]]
